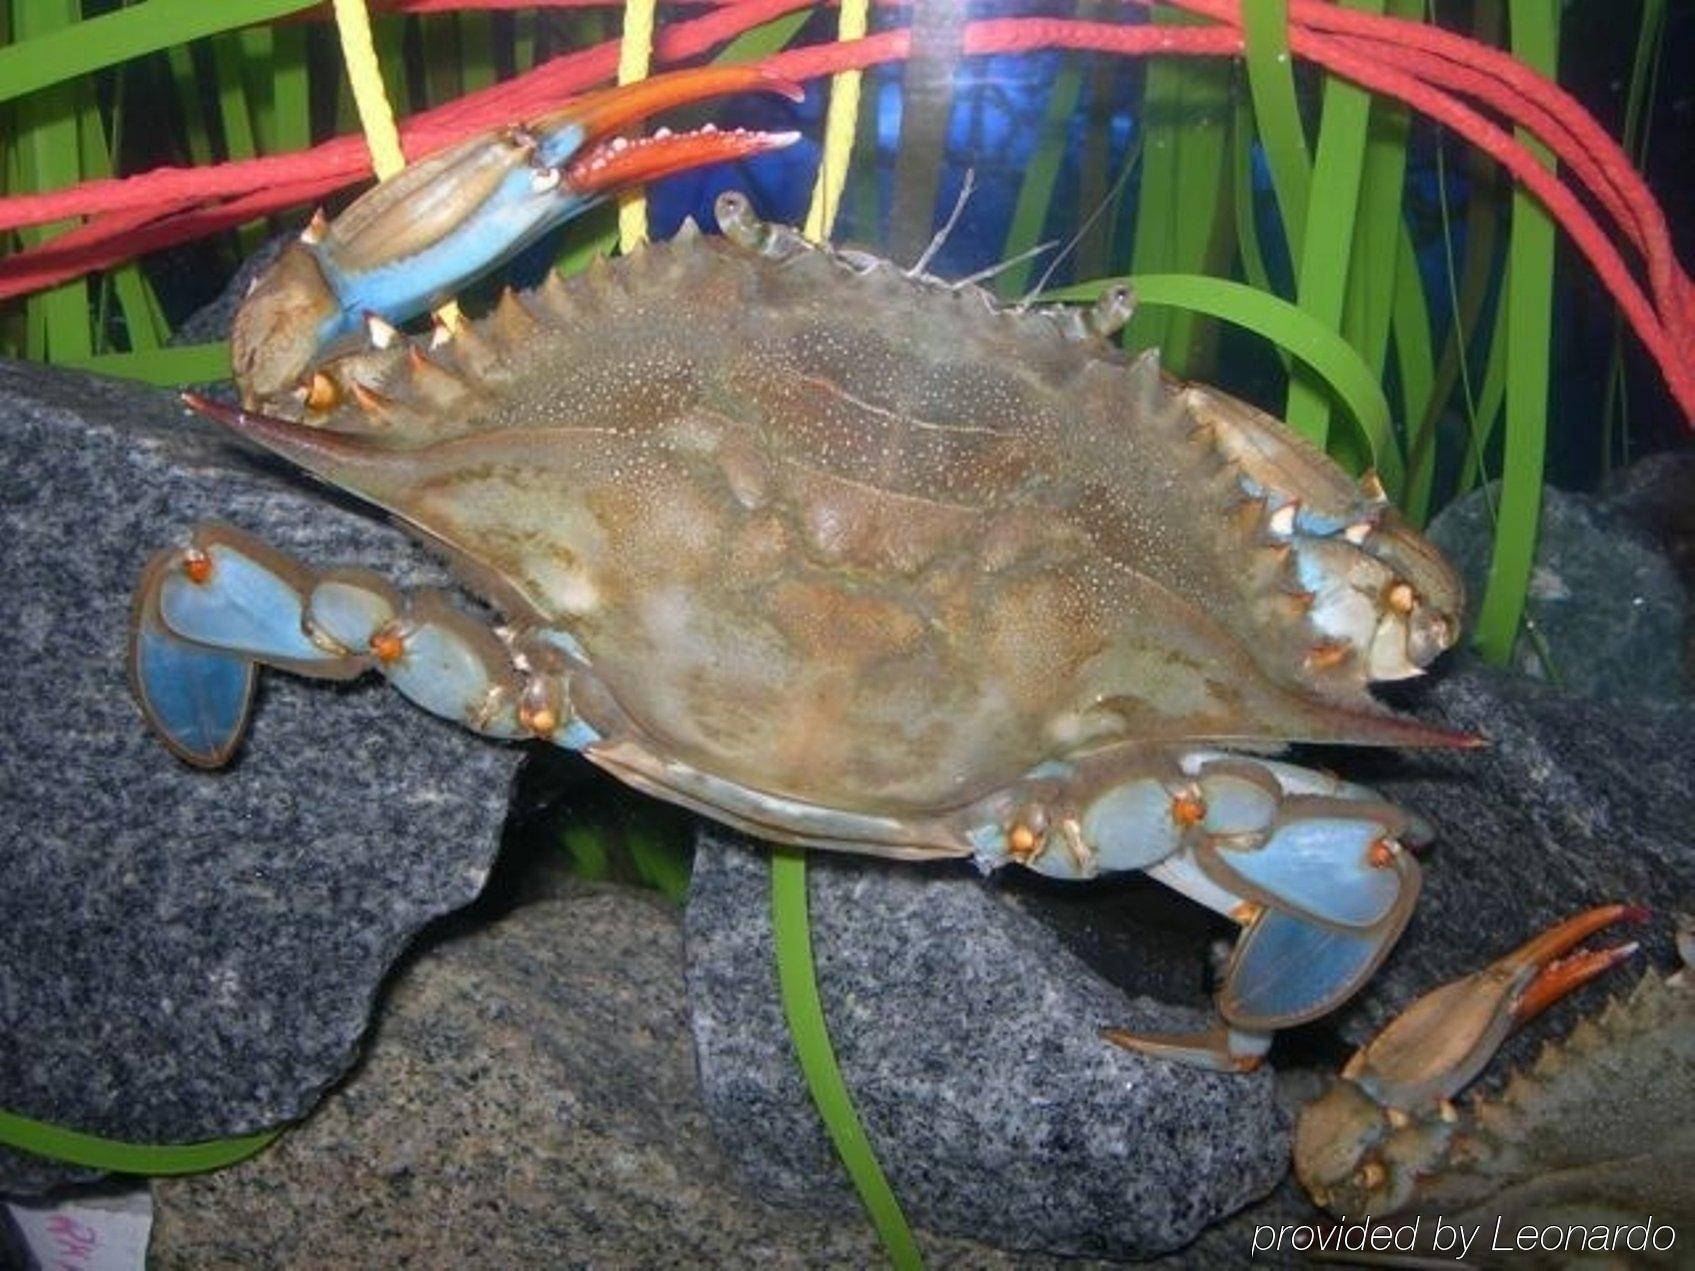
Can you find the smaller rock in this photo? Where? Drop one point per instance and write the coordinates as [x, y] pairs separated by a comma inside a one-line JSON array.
[[529, 1100], [1606, 604], [187, 955], [970, 1041]]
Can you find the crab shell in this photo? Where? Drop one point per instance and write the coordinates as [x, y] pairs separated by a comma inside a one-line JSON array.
[[868, 542]]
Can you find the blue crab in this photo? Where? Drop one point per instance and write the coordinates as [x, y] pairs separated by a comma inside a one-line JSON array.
[[1594, 1141], [840, 554]]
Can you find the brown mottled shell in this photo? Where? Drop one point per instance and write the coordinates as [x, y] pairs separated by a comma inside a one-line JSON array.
[[855, 538]]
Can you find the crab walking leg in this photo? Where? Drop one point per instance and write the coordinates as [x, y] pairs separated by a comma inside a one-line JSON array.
[[207, 614], [1312, 868]]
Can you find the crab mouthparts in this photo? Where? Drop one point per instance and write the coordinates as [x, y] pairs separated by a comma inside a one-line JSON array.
[[618, 162]]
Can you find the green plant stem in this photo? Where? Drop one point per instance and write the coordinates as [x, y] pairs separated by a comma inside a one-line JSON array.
[[1530, 299], [1277, 112], [52, 57], [1183, 200], [1321, 276], [77, 1148], [797, 980]]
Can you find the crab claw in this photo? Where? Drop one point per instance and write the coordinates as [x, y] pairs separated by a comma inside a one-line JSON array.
[[1364, 1144], [410, 243], [1441, 1042]]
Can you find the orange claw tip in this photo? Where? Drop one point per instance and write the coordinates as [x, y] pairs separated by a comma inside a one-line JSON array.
[[1567, 975], [620, 163], [599, 114]]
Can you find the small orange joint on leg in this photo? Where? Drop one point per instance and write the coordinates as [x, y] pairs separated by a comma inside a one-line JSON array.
[[539, 707], [1400, 598], [323, 394], [1246, 913], [1027, 836], [1188, 808], [388, 644], [1381, 854], [197, 566]]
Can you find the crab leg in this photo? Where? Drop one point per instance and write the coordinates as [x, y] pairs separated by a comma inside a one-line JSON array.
[[205, 615], [1435, 1047], [1313, 869], [1363, 1146], [410, 242]]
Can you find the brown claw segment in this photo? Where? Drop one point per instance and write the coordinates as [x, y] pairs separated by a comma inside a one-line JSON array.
[[1442, 1041]]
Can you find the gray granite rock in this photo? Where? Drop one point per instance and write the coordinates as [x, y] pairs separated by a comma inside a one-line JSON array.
[[529, 1100], [970, 1041], [187, 955], [1606, 602]]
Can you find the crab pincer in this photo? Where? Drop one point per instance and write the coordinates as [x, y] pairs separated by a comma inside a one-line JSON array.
[[408, 244], [1365, 1144]]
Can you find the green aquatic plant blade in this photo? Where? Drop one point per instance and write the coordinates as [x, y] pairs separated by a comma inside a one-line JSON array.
[[170, 367], [1182, 199], [1332, 359], [198, 136], [51, 57], [589, 845], [143, 320], [1415, 361], [48, 159], [476, 36], [1377, 266], [1530, 302], [765, 39], [258, 66], [1248, 244], [1486, 410], [660, 852], [76, 1148], [291, 88], [1321, 279], [229, 64], [1277, 112], [797, 980], [1041, 175]]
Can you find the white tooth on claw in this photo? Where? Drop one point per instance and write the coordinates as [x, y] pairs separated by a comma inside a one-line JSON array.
[[1282, 521], [383, 334], [709, 127], [544, 180], [1358, 532], [659, 134]]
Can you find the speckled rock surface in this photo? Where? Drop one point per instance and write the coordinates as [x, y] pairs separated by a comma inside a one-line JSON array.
[[529, 1100], [185, 955], [1606, 601], [970, 1042]]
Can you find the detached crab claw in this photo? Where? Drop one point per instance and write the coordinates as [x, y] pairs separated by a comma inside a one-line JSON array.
[[408, 244], [1363, 1146]]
